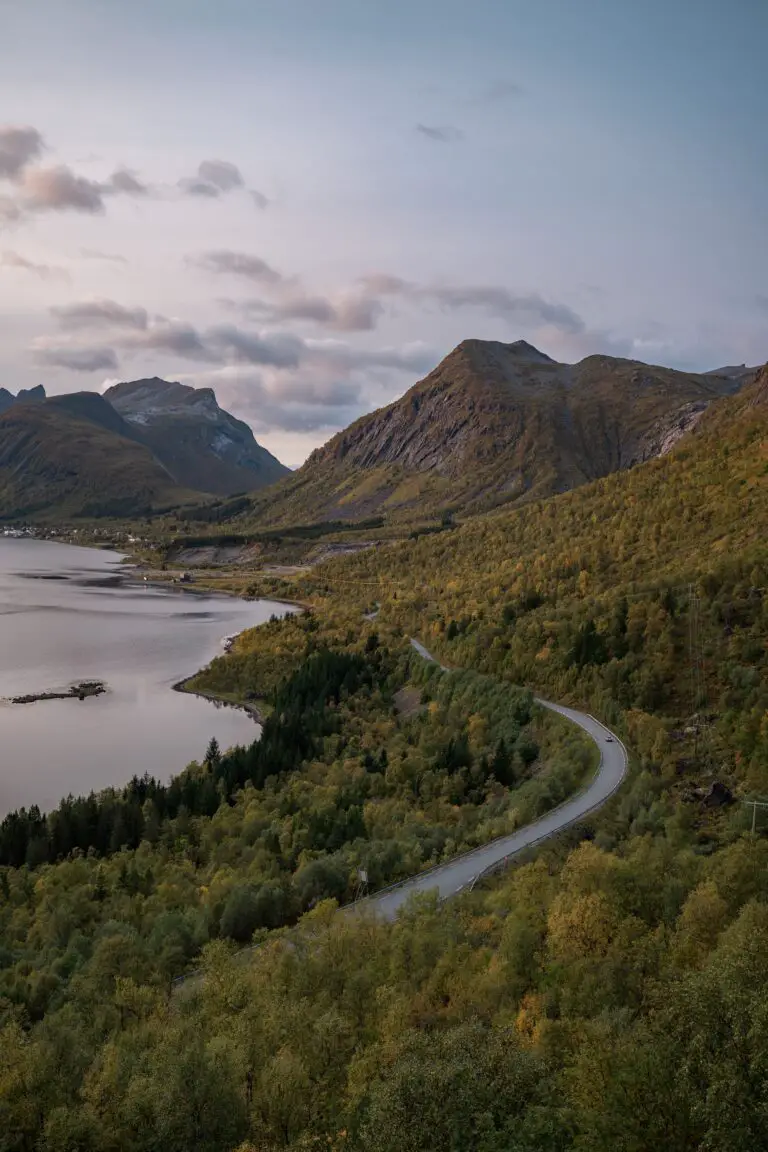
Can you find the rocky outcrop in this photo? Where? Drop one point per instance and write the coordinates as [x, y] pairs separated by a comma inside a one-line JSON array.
[[495, 423], [202, 446]]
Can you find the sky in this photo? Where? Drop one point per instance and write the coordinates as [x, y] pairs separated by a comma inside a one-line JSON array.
[[306, 204]]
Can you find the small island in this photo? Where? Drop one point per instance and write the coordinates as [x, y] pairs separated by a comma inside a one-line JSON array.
[[75, 692]]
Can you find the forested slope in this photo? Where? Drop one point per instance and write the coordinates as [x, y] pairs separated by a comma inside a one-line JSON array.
[[611, 994], [645, 590]]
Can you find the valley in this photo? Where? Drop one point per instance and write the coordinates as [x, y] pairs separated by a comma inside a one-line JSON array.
[[383, 577], [636, 598]]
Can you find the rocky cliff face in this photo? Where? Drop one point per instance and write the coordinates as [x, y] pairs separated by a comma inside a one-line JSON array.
[[201, 445], [26, 395], [495, 423], [758, 393]]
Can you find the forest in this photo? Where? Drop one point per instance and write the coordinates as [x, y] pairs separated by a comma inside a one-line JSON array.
[[608, 992]]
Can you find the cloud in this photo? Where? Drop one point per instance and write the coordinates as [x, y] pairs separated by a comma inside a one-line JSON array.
[[9, 210], [305, 401], [501, 302], [282, 350], [221, 174], [126, 182], [173, 337], [18, 147], [360, 309], [331, 365], [331, 384], [501, 90], [491, 298], [224, 261], [384, 284], [97, 254], [443, 133], [215, 178], [78, 359], [761, 301], [349, 313], [100, 314], [194, 187], [339, 356], [9, 259], [60, 189], [55, 189]]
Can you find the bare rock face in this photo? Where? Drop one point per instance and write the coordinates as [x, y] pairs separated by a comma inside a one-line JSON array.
[[200, 444], [498, 422], [26, 395], [673, 427], [758, 393], [34, 395]]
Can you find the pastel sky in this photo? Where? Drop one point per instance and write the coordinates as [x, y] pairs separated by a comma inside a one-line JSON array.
[[307, 203]]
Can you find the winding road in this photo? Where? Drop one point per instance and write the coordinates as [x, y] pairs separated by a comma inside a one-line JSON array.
[[462, 871]]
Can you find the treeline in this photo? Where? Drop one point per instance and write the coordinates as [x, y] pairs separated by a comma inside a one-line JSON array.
[[109, 821], [276, 535]]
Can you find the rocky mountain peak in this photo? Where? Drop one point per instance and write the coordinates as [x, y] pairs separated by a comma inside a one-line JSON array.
[[31, 395], [138, 400], [200, 443], [519, 350]]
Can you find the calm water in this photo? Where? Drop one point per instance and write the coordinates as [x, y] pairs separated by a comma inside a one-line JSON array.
[[69, 614]]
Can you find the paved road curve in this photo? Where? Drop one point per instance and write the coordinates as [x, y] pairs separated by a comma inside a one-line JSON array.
[[456, 874]]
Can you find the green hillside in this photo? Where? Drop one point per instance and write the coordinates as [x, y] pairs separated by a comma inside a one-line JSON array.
[[67, 458], [607, 994]]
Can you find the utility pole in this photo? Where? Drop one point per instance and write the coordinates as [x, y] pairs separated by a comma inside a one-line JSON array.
[[755, 805], [362, 884]]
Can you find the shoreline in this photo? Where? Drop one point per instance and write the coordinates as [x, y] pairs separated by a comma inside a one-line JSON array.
[[140, 581], [248, 707], [133, 573]]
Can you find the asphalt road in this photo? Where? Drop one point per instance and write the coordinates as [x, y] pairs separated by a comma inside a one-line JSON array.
[[457, 874]]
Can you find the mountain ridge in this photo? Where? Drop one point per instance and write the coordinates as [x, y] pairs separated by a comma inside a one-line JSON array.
[[496, 423], [201, 444], [77, 454]]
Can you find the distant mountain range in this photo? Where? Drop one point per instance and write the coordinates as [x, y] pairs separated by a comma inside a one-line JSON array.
[[142, 446], [495, 424]]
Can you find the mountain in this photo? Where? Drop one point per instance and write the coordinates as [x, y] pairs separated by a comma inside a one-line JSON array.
[[201, 445], [492, 424], [67, 456], [738, 372], [26, 395], [34, 395], [145, 445]]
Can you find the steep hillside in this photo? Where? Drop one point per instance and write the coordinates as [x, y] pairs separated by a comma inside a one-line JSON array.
[[589, 594], [95, 409], [497, 423], [67, 457], [144, 445], [201, 445]]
